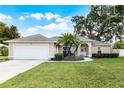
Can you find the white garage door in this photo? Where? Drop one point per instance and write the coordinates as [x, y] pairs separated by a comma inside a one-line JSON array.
[[31, 51]]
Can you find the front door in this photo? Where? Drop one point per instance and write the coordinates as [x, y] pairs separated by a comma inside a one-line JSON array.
[[84, 50]]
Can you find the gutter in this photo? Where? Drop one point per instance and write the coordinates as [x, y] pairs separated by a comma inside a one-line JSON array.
[[28, 41]]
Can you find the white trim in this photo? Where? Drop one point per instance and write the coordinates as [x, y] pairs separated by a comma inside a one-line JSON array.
[[10, 57], [28, 41], [28, 44]]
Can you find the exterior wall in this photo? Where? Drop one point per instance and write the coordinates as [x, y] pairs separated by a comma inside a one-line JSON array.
[[90, 49], [104, 49], [120, 51], [52, 48], [10, 50], [58, 49]]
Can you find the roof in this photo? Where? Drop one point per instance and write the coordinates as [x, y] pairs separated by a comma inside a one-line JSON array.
[[82, 38], [98, 43], [55, 38], [32, 38], [94, 42], [41, 38]]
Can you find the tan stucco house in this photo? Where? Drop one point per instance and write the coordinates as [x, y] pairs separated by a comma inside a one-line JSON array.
[[40, 47]]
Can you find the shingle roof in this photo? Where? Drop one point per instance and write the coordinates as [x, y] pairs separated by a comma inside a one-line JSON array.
[[36, 38], [55, 38], [41, 38], [94, 42], [82, 38]]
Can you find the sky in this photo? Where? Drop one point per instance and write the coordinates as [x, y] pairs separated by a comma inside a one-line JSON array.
[[48, 20]]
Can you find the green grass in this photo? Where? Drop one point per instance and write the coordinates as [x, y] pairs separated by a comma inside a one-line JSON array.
[[99, 73], [3, 58]]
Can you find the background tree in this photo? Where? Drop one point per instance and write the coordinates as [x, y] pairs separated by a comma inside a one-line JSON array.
[[14, 32], [7, 33], [102, 23]]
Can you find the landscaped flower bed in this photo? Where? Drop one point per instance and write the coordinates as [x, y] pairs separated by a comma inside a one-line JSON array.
[[60, 57], [73, 58]]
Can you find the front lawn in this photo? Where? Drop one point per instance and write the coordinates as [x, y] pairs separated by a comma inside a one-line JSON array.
[[3, 58], [99, 73]]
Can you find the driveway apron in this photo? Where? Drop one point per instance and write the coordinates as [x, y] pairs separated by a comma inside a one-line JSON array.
[[12, 68]]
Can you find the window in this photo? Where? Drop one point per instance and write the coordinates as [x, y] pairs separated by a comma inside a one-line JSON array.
[[66, 50], [82, 50], [99, 50]]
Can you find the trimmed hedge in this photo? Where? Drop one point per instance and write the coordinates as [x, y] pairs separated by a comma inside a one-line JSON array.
[[112, 55], [4, 51], [58, 56]]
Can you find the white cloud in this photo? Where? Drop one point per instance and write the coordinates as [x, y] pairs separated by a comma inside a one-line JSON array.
[[4, 17], [26, 13], [50, 15], [21, 18], [32, 29], [37, 16], [47, 27], [59, 27], [59, 20], [52, 29], [65, 19]]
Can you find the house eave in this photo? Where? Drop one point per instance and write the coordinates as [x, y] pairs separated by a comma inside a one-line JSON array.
[[30, 41], [101, 45]]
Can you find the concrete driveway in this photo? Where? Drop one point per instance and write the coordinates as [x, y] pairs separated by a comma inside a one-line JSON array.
[[12, 68]]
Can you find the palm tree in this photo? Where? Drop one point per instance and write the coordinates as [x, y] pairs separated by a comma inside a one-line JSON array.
[[77, 42], [68, 40]]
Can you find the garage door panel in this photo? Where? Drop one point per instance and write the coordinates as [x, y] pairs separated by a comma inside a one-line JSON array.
[[31, 52]]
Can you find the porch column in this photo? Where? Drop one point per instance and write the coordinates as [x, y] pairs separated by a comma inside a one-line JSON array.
[[89, 50], [57, 49], [78, 52]]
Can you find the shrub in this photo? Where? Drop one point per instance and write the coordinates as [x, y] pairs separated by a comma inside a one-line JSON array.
[[112, 55], [119, 45], [0, 51], [4, 51], [58, 56]]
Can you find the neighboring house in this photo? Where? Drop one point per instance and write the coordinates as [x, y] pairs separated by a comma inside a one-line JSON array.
[[41, 47]]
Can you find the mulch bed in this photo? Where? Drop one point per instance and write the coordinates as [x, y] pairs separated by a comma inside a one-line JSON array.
[[73, 58]]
